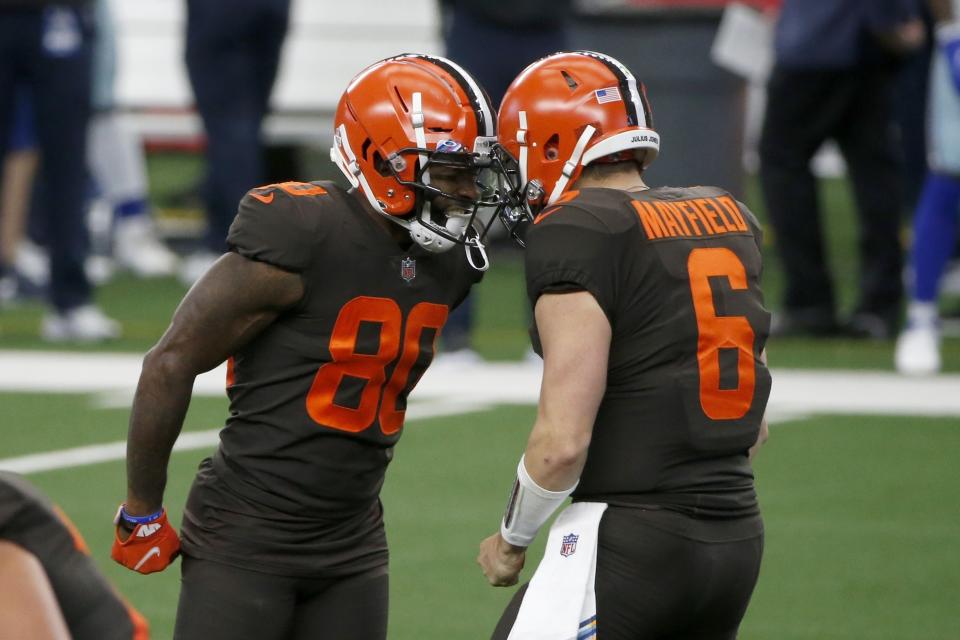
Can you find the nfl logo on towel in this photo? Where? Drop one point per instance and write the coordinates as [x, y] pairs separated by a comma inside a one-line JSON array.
[[569, 545], [610, 94], [408, 269]]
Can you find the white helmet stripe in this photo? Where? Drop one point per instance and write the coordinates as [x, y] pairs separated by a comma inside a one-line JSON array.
[[522, 140], [489, 118], [479, 98], [636, 99]]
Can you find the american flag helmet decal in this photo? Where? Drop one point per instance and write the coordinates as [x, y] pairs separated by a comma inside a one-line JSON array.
[[609, 94]]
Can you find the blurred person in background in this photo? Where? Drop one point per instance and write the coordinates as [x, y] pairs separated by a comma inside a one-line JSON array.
[[835, 63], [935, 221], [911, 89], [232, 53], [650, 320], [328, 308], [19, 169], [50, 587], [496, 40], [45, 47], [119, 222], [118, 167]]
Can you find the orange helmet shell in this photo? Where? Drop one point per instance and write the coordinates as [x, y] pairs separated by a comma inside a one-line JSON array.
[[378, 117], [546, 112]]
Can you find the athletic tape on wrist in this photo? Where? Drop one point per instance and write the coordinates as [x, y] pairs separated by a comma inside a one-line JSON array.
[[530, 505]]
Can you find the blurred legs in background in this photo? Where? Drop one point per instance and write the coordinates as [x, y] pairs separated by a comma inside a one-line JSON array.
[[935, 222], [118, 168], [18, 170], [494, 42], [48, 51], [233, 53]]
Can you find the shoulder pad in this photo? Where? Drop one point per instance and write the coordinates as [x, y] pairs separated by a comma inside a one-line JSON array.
[[267, 194], [278, 224]]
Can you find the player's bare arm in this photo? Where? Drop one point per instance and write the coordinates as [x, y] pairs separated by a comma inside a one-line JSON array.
[[28, 606], [576, 335], [230, 305]]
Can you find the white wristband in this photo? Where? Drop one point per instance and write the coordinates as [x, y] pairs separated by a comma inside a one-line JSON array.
[[529, 507]]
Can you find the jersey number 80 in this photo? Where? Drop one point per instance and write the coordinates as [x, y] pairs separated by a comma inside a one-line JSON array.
[[379, 396]]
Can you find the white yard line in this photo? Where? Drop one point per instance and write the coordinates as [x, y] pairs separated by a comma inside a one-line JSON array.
[[188, 441], [450, 390]]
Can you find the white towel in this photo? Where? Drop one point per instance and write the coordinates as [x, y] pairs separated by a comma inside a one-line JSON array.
[[560, 602]]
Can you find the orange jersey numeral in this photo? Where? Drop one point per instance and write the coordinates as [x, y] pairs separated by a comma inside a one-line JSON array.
[[371, 368], [721, 332], [423, 316]]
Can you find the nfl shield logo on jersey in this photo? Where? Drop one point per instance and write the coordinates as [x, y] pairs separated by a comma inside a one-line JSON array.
[[408, 269], [569, 545]]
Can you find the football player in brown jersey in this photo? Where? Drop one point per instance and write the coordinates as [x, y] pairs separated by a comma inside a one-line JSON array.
[[650, 320], [327, 309], [49, 585]]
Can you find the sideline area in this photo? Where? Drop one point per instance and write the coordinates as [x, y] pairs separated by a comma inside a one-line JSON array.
[[448, 389]]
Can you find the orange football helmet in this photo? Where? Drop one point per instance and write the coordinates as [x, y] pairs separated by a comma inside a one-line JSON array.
[[566, 111], [396, 119]]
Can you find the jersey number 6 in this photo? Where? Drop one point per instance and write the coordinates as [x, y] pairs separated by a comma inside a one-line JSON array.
[[721, 332], [372, 368]]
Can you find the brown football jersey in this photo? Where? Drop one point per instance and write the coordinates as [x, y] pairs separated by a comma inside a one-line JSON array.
[[677, 273], [90, 606], [317, 399]]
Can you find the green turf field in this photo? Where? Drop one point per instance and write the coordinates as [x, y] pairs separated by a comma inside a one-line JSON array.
[[862, 525], [144, 307], [863, 529]]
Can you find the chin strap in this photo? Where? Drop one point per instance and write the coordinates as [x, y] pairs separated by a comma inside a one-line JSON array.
[[570, 167], [482, 250]]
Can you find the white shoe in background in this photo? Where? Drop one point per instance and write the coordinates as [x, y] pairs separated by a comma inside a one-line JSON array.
[[136, 247], [33, 263], [195, 265], [918, 350], [82, 324], [8, 288], [99, 269]]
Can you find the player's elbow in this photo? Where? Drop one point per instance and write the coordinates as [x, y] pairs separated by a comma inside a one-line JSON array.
[[568, 451], [167, 364]]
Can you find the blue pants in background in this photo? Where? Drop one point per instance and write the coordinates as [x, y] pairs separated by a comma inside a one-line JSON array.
[[232, 54], [47, 51]]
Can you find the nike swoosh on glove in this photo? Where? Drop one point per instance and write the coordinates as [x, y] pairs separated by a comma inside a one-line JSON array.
[[150, 548], [948, 37]]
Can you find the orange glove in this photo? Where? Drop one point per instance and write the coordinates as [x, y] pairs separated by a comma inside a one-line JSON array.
[[151, 546]]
